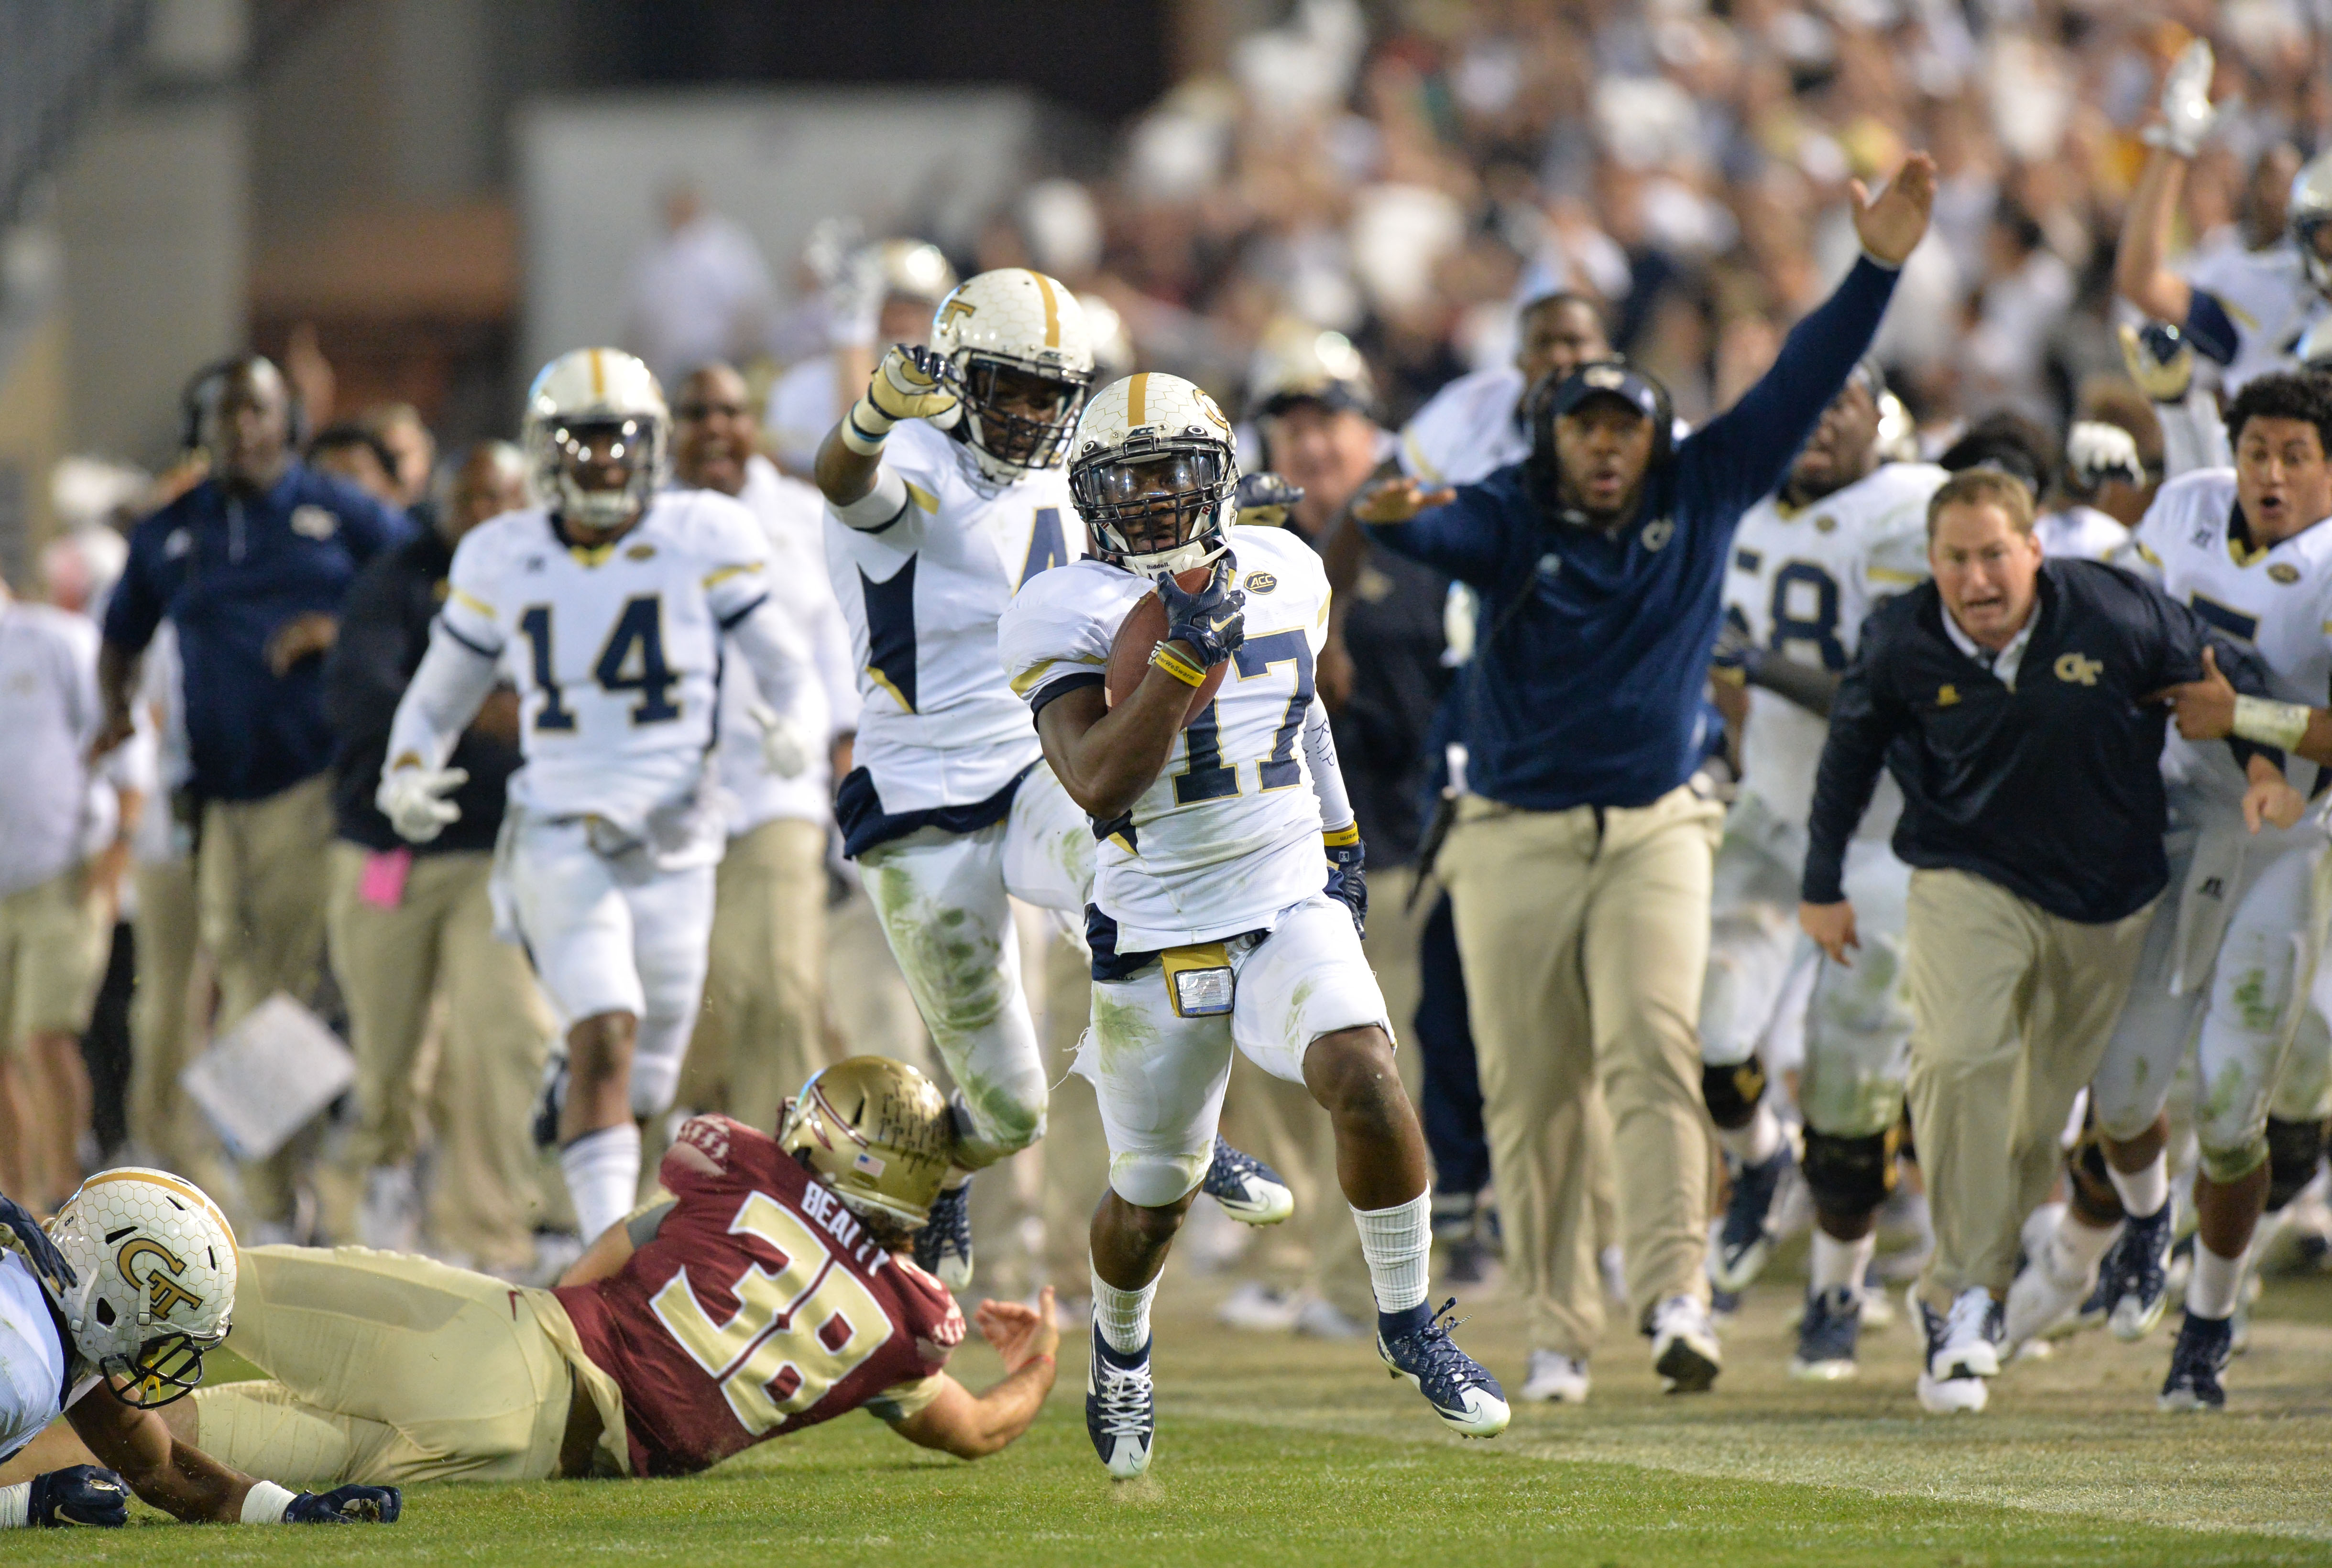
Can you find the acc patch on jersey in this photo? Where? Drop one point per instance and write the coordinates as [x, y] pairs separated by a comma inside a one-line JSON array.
[[2284, 572], [1259, 582]]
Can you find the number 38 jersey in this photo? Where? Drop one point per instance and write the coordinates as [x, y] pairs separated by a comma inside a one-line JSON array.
[[940, 727], [1228, 835], [758, 1307], [615, 649], [2277, 600], [1802, 581]]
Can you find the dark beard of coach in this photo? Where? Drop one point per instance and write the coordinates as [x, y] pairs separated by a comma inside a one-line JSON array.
[[1579, 865]]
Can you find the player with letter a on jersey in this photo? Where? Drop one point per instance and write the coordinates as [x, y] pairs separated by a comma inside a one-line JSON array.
[[946, 496], [1227, 895], [609, 608], [105, 1317], [770, 1290], [2231, 959], [1809, 564]]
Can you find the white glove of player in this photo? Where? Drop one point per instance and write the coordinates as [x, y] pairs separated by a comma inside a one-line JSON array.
[[2187, 115], [414, 800], [854, 298], [2095, 452], [784, 748]]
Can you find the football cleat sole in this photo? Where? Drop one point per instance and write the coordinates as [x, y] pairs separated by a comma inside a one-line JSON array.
[[1822, 1371], [1685, 1368], [1952, 1396]]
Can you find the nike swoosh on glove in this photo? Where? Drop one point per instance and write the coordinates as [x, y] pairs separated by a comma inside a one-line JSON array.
[[79, 1494], [346, 1506], [1213, 620]]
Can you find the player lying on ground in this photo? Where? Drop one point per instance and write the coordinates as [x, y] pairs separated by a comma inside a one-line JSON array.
[[104, 1320], [771, 1291], [946, 495], [1216, 920]]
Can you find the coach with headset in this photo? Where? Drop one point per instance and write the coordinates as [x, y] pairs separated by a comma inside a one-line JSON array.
[[251, 566], [1580, 865]]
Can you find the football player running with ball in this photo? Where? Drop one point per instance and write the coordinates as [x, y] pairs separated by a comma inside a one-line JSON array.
[[1216, 920], [609, 608], [946, 495]]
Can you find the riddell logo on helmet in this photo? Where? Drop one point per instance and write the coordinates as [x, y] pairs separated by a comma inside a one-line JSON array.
[[163, 1294]]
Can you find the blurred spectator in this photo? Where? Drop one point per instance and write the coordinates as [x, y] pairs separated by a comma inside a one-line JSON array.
[[701, 291], [251, 564], [762, 1032], [412, 450], [62, 856], [355, 454], [412, 925], [873, 296]]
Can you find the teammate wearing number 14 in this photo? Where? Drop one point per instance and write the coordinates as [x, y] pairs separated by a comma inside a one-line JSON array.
[[1218, 919]]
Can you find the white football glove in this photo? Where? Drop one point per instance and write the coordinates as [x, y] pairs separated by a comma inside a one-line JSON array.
[[414, 800], [2095, 452], [784, 748], [854, 298], [2187, 115]]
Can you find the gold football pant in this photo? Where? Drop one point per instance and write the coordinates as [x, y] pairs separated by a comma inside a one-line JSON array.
[[385, 1369], [2012, 1009], [1585, 936], [437, 946]]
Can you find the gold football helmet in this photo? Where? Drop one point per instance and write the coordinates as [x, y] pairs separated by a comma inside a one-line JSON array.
[[877, 1132]]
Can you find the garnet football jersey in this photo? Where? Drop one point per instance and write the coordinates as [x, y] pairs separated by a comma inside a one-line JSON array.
[[760, 1306]]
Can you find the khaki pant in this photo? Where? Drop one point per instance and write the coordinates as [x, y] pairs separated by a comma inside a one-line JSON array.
[[1585, 936], [435, 953], [260, 892], [52, 946], [2012, 1010], [762, 1032], [164, 1033], [387, 1369]]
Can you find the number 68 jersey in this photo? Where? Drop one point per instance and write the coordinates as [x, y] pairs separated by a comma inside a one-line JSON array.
[[1228, 835], [1800, 583], [615, 649]]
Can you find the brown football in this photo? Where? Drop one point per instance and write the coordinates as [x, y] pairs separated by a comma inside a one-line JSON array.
[[1143, 629]]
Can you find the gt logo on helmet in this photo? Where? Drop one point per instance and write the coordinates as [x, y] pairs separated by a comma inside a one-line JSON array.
[[163, 1294]]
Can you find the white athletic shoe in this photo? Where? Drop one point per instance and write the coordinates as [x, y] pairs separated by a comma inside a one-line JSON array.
[[1685, 1350], [2041, 1301], [1259, 1309], [1316, 1317], [1966, 1342], [1555, 1379], [1949, 1396]]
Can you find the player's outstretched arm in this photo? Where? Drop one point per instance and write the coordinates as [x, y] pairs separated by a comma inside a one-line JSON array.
[[2140, 261], [908, 384], [973, 1426], [446, 694], [189, 1485]]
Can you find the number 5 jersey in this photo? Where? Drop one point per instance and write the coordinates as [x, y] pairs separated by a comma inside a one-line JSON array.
[[1801, 582], [755, 1304]]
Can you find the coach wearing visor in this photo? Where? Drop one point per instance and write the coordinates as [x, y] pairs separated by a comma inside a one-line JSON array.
[[1579, 868]]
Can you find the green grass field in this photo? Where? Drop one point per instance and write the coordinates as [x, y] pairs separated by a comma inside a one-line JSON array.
[[1288, 1452]]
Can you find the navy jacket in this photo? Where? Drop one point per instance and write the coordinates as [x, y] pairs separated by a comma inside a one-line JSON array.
[[384, 631], [1590, 694], [2054, 790], [229, 572]]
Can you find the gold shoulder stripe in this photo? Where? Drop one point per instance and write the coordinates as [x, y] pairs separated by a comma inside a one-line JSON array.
[[1052, 309], [2147, 555], [922, 497], [1327, 600], [471, 601], [720, 574], [1425, 470], [1890, 574], [1034, 676]]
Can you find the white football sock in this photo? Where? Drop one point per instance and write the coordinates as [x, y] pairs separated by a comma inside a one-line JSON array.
[[1396, 1241], [1122, 1315], [603, 1176], [1837, 1263], [2075, 1247], [1753, 1144], [2143, 1193], [2212, 1288]]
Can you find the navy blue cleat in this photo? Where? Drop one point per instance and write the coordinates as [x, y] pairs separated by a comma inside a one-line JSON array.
[[1120, 1407], [943, 1246], [1416, 1344], [1744, 1240], [1249, 1191], [2136, 1276], [1827, 1335], [2200, 1354]]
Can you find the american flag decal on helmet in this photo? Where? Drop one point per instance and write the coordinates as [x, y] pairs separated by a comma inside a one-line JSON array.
[[868, 1163]]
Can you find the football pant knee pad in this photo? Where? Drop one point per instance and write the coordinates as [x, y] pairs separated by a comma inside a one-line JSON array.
[[1848, 1176], [1731, 1092], [2294, 1150], [1000, 1124], [1155, 1180]]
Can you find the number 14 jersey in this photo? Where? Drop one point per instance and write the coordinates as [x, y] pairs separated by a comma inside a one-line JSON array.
[[1801, 582]]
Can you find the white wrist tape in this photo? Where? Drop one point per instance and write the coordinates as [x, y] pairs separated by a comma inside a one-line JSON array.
[[16, 1507], [865, 427], [2271, 723], [265, 1502], [879, 507]]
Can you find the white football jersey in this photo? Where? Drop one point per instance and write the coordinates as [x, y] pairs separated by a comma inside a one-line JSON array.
[[1469, 430], [1228, 835], [792, 515], [940, 726], [32, 1357], [2267, 294], [2277, 601], [615, 649], [2079, 532], [1802, 581]]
